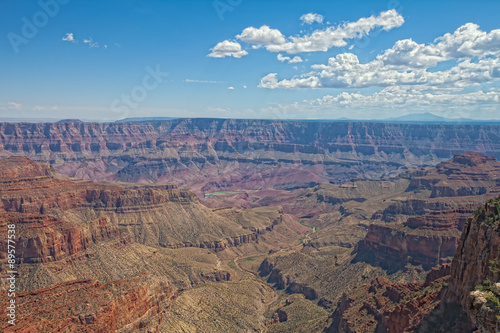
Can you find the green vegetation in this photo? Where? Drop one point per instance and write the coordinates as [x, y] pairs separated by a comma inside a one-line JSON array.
[[492, 220], [208, 195], [302, 240], [433, 288], [491, 293], [494, 266], [249, 258], [303, 222]]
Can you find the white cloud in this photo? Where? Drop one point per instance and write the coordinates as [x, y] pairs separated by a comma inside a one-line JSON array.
[[323, 40], [393, 101], [14, 106], [230, 88], [289, 60], [244, 87], [271, 81], [227, 49], [398, 97], [211, 109], [310, 18], [319, 40], [69, 37], [262, 36], [91, 42], [408, 63]]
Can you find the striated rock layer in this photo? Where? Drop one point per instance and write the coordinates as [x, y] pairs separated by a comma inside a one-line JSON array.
[[425, 230], [100, 257], [384, 306], [458, 298], [208, 155], [125, 305], [152, 215]]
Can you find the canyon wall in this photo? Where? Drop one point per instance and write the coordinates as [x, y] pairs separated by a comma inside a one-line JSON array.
[[208, 155]]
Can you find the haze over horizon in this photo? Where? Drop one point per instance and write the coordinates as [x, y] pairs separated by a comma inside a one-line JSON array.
[[249, 59]]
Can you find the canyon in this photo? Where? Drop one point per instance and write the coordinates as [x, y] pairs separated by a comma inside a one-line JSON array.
[[209, 155], [226, 225]]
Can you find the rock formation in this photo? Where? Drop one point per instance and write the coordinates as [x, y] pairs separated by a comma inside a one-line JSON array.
[[208, 155]]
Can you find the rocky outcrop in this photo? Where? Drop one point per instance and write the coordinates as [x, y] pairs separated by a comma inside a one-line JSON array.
[[425, 230], [476, 263], [384, 306], [44, 238], [391, 248], [285, 281], [125, 305], [426, 240]]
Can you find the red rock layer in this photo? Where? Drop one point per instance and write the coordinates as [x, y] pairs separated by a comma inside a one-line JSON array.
[[91, 306], [383, 306]]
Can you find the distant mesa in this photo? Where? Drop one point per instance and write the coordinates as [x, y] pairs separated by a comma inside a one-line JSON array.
[[137, 119], [70, 121]]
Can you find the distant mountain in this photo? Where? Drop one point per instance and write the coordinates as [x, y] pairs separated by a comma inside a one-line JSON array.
[[423, 117], [70, 121], [134, 119], [414, 118], [431, 118]]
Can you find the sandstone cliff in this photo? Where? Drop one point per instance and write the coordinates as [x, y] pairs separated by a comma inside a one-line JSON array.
[[424, 224]]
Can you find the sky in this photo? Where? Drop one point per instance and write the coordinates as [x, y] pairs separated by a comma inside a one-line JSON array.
[[108, 60]]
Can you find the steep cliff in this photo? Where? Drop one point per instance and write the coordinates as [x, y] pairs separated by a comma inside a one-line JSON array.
[[384, 306], [208, 155], [424, 224], [459, 297], [475, 271]]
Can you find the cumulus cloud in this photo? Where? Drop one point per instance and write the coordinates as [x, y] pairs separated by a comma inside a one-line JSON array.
[[262, 36], [289, 60], [271, 81], [409, 63], [69, 37], [412, 98], [323, 40], [230, 88], [394, 100], [310, 18], [319, 40], [227, 49]]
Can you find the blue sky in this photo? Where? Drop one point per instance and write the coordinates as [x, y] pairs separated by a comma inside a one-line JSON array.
[[106, 60]]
